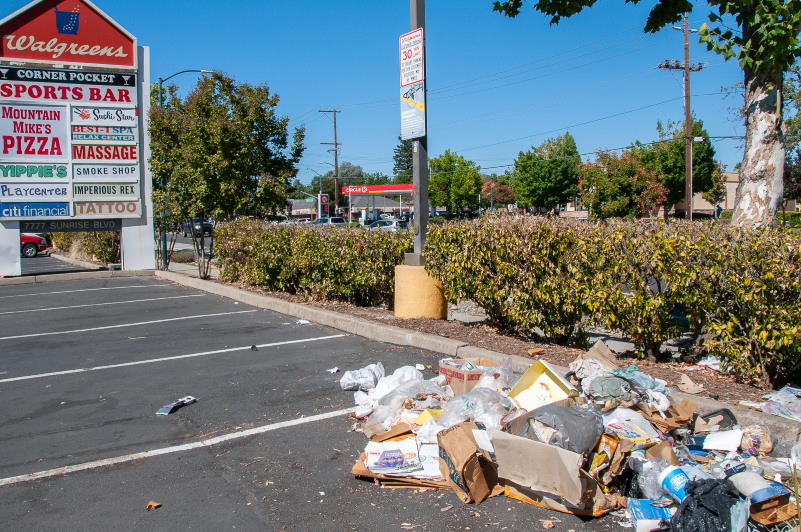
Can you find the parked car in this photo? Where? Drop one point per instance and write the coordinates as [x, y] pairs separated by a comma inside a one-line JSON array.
[[334, 220], [197, 228], [388, 225], [31, 245]]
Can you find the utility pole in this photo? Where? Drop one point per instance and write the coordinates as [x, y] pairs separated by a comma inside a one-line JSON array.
[[417, 19], [688, 128], [335, 149]]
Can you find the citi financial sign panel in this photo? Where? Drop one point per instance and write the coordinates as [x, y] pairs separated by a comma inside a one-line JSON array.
[[69, 137]]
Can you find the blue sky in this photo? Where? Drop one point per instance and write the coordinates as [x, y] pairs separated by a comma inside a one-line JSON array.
[[496, 85]]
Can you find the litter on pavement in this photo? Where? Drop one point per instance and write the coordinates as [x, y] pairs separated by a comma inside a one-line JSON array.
[[600, 439], [166, 410]]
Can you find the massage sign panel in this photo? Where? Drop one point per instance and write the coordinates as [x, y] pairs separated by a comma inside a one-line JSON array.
[[74, 86]]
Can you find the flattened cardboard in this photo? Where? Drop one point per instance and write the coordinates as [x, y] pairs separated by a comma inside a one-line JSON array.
[[393, 432], [360, 470], [468, 468], [540, 467], [600, 352], [677, 416], [597, 503], [664, 451]]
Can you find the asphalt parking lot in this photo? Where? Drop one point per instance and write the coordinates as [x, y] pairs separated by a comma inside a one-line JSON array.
[[85, 364], [42, 264]]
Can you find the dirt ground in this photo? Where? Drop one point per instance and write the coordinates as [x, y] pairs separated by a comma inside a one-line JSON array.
[[716, 385]]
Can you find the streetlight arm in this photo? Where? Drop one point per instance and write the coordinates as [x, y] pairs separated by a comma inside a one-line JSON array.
[[201, 71]]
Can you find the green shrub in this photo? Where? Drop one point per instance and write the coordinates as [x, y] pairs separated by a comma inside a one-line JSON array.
[[642, 278], [525, 273], [183, 257], [103, 246], [343, 264]]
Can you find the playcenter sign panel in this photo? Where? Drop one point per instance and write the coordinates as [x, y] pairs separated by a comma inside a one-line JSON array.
[[34, 192]]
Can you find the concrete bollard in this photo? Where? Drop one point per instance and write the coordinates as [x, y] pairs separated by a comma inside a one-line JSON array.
[[418, 295]]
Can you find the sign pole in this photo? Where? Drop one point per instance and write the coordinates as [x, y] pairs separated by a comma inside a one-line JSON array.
[[419, 154]]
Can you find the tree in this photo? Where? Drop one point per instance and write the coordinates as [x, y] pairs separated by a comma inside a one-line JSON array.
[[621, 186], [667, 159], [792, 175], [792, 107], [455, 182], [766, 45], [546, 176], [497, 192], [222, 152], [402, 156]]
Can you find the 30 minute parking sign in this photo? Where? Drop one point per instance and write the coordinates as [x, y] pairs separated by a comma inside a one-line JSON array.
[[412, 85]]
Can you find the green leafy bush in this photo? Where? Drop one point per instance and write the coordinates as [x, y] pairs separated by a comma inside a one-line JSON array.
[[649, 280], [343, 264], [103, 246]]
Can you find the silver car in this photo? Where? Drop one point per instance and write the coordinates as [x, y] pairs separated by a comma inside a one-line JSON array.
[[388, 225]]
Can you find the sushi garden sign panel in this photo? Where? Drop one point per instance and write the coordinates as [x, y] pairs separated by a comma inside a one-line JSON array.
[[72, 95]]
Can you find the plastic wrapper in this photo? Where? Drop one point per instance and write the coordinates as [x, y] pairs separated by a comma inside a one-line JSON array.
[[481, 405], [648, 472], [641, 380], [756, 440], [362, 379], [604, 388], [569, 427], [399, 377], [588, 367], [499, 379], [657, 400]]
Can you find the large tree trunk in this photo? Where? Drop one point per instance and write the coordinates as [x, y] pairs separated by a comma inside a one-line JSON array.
[[761, 187]]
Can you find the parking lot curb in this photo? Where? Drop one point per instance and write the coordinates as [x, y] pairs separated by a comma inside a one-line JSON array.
[[72, 276], [781, 429], [76, 262]]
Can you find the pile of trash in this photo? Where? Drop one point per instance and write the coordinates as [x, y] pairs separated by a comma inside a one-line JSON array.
[[599, 439]]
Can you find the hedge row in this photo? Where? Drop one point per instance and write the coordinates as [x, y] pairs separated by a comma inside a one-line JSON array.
[[646, 279], [101, 246], [342, 264]]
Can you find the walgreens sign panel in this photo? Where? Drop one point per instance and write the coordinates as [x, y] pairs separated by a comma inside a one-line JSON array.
[[84, 120]]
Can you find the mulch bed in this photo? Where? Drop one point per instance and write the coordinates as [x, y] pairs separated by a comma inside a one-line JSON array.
[[716, 385]]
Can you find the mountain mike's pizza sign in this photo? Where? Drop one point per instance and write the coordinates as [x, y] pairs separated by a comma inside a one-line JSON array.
[[73, 32], [70, 127]]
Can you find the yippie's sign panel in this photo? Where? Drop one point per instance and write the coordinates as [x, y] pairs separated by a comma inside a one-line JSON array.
[[34, 192], [32, 171], [33, 132], [66, 32]]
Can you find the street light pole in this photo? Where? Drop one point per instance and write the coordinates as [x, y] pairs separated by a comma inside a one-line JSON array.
[[163, 235]]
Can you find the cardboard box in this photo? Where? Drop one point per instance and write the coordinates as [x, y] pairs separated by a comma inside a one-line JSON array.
[[468, 468], [463, 380], [540, 385]]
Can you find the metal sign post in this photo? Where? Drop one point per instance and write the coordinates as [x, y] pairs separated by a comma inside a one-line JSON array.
[[413, 120]]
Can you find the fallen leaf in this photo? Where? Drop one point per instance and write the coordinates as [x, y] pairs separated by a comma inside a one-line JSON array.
[[152, 505], [547, 525], [445, 508], [536, 351], [687, 385]]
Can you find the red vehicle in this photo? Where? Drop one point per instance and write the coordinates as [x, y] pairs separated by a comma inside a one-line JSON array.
[[31, 245]]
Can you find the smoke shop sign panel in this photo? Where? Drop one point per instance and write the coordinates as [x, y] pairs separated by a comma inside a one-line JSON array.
[[105, 172]]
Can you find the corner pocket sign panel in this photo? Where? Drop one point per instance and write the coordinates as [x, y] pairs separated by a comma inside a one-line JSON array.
[[33, 132], [66, 32]]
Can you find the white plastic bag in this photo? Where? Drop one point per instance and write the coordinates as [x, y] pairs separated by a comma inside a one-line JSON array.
[[362, 379]]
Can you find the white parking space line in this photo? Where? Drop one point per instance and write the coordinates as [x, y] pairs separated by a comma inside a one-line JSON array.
[[165, 359], [34, 335], [99, 304], [172, 449], [33, 294]]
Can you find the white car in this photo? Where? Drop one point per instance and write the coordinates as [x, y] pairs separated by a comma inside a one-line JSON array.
[[388, 225]]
